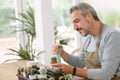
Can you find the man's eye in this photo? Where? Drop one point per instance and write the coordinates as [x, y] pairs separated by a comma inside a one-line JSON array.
[[76, 21]]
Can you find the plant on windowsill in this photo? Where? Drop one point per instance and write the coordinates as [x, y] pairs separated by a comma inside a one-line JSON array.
[[27, 52]]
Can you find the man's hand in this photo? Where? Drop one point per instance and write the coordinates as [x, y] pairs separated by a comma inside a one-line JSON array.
[[57, 49], [66, 69]]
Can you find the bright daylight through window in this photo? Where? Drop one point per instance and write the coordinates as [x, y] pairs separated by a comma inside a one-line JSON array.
[[7, 38], [64, 33]]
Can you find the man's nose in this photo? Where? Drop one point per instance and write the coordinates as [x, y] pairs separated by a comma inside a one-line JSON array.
[[75, 26]]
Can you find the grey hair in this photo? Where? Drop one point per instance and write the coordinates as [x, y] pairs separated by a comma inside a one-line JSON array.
[[85, 8]]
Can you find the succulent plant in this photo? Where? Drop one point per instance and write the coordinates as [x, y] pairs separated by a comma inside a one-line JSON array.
[[53, 59]]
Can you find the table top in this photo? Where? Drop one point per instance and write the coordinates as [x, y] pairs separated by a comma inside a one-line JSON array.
[[8, 71], [77, 78], [74, 78]]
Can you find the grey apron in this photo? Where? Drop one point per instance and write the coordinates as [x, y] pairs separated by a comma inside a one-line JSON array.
[[92, 58]]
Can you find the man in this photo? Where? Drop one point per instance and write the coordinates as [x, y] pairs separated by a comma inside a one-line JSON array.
[[99, 58]]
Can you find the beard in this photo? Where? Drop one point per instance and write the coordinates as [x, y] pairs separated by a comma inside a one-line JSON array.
[[84, 32], [87, 32]]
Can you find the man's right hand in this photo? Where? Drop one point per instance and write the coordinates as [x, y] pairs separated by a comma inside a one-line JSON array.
[[57, 49]]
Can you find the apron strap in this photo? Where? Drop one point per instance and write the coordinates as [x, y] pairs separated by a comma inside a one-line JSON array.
[[99, 36]]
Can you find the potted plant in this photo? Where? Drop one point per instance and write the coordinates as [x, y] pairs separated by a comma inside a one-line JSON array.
[[60, 39], [28, 52]]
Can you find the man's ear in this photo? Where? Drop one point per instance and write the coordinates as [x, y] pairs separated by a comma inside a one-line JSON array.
[[89, 16]]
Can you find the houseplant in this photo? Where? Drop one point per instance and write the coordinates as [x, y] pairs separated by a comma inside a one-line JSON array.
[[27, 52], [59, 38]]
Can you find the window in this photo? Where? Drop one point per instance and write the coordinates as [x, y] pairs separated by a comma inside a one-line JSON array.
[[7, 38], [62, 22], [7, 10], [108, 13]]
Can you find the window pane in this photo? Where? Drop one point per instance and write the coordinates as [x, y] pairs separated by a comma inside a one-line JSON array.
[[61, 12], [7, 38], [6, 10], [108, 13]]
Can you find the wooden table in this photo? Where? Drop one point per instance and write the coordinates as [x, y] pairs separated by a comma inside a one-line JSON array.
[[8, 70]]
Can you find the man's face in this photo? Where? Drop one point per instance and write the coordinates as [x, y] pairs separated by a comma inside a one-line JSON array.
[[80, 23]]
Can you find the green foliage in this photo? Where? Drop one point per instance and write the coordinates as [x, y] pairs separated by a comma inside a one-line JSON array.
[[60, 39], [28, 22], [110, 17], [57, 71], [53, 59], [27, 52], [113, 18], [24, 53], [5, 30], [56, 74], [21, 52], [64, 41]]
